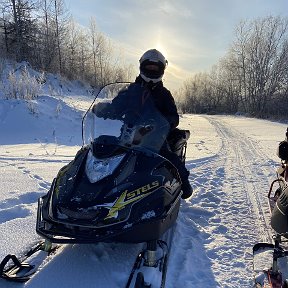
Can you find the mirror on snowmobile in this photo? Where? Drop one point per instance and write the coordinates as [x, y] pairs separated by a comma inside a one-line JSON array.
[[282, 150]]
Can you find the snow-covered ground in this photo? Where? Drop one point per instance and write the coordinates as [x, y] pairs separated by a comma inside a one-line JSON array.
[[232, 161]]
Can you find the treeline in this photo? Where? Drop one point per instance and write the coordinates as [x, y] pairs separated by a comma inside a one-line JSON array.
[[252, 78], [43, 33]]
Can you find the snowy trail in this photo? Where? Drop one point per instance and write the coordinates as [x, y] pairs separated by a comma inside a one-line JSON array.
[[231, 188], [250, 175], [231, 170]]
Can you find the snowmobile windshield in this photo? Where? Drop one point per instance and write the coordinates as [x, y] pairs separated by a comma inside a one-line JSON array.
[[124, 115]]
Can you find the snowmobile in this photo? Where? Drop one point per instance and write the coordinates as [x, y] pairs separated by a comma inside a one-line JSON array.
[[277, 274], [118, 188]]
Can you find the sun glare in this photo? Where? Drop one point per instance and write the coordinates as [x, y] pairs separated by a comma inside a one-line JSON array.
[[162, 49]]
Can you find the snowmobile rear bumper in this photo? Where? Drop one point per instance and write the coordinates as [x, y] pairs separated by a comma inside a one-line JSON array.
[[146, 230]]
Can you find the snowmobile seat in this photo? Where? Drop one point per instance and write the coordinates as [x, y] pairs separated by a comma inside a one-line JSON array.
[[177, 140]]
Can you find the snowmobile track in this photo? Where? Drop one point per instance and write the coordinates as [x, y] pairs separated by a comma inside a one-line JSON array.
[[256, 185]]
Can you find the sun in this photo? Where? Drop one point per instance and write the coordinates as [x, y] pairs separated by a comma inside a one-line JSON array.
[[160, 47]]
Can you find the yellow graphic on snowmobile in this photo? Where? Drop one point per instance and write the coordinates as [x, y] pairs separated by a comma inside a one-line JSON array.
[[129, 197]]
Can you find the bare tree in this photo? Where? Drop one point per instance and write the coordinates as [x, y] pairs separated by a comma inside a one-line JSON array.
[[3, 26], [94, 36], [19, 28], [252, 77], [47, 35], [83, 54], [42, 35], [258, 54]]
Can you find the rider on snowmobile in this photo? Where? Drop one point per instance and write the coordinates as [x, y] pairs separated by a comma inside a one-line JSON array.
[[152, 67]]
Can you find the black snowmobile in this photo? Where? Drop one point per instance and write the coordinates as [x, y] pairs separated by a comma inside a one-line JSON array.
[[118, 188], [276, 253]]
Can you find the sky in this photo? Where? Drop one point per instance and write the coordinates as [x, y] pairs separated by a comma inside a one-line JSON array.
[[192, 34], [216, 227]]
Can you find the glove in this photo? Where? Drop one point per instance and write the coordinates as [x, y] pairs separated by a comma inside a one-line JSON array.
[[100, 110]]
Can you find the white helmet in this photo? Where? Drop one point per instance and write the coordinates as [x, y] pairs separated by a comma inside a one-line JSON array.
[[152, 66]]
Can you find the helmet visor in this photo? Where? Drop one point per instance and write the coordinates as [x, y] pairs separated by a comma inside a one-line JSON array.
[[152, 70]]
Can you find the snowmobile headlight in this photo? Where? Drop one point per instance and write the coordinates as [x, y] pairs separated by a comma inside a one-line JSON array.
[[96, 169]]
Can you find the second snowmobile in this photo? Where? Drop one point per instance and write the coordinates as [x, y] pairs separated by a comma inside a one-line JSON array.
[[276, 276]]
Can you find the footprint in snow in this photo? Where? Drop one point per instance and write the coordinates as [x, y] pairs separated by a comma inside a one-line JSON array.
[[41, 182], [28, 198], [44, 185], [13, 213], [220, 172], [196, 211], [221, 229], [37, 177]]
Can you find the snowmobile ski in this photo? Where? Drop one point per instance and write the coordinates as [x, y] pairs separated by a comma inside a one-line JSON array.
[[150, 272], [271, 277], [22, 269]]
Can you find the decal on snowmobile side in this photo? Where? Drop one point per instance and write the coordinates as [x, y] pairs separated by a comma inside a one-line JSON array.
[[141, 190], [130, 197]]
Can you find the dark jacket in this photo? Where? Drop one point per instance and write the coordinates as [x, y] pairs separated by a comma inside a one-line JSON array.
[[163, 100], [161, 97]]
